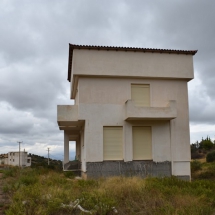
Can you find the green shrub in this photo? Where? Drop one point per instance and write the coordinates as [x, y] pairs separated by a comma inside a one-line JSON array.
[[28, 179], [208, 174], [196, 165], [69, 174], [210, 156], [11, 172]]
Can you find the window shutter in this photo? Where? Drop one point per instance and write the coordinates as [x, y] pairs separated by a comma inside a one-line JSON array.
[[142, 143], [112, 139], [140, 94]]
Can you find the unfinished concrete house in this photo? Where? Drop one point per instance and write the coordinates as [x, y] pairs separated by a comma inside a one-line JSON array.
[[16, 159], [130, 115]]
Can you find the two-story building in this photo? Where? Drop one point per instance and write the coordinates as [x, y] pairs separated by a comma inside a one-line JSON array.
[[16, 159], [131, 114]]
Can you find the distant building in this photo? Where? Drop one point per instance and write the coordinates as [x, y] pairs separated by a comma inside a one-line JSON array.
[[16, 159], [131, 114], [3, 159]]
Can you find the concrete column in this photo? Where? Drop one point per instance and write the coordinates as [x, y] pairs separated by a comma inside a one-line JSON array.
[[66, 148], [78, 149]]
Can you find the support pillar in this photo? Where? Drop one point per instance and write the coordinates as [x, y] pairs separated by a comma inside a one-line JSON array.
[[66, 148], [77, 153]]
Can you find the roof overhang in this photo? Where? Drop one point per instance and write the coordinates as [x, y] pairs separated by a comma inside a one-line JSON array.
[[115, 48]]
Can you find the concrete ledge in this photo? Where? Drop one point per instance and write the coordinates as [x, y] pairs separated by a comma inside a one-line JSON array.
[[67, 113], [133, 112], [132, 168]]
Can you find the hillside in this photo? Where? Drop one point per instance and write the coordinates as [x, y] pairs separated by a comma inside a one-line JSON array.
[[40, 161]]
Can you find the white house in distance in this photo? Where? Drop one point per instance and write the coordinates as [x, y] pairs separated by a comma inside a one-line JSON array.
[[130, 115], [16, 159]]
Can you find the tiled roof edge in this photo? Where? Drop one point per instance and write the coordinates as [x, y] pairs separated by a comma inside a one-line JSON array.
[[74, 46]]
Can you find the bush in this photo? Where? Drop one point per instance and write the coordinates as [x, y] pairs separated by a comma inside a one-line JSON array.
[[210, 156], [196, 165], [69, 174], [197, 155], [10, 172], [28, 179]]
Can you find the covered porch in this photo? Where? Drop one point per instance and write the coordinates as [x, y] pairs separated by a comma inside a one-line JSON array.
[[73, 131]]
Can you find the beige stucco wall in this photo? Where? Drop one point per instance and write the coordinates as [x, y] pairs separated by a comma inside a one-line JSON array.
[[102, 103], [113, 116], [136, 64]]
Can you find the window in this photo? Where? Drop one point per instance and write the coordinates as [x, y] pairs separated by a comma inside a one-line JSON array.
[[140, 94], [112, 143], [142, 143]]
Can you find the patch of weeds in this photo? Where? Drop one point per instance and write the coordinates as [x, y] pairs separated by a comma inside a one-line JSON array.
[[208, 174], [69, 174], [88, 183], [195, 166], [28, 179], [97, 202], [7, 188], [11, 172]]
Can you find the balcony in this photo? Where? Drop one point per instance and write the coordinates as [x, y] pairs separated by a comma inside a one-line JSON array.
[[133, 112], [67, 118]]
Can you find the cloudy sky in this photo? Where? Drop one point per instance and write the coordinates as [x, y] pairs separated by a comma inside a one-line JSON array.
[[34, 38]]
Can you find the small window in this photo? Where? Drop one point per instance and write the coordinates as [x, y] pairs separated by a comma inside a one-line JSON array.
[[112, 143], [140, 94]]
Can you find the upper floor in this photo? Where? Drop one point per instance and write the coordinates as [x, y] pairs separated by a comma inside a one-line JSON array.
[[120, 63]]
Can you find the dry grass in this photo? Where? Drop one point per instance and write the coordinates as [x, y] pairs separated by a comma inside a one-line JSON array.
[[41, 192]]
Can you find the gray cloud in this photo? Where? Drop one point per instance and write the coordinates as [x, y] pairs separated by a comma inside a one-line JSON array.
[[34, 52]]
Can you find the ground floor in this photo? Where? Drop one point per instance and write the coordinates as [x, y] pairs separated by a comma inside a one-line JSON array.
[[126, 140]]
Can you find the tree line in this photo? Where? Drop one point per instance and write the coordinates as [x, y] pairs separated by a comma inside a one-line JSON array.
[[200, 149]]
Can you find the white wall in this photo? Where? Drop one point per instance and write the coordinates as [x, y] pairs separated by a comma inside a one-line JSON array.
[[13, 159]]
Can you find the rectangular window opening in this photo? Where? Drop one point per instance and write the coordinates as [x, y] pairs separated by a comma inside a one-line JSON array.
[[140, 94], [113, 143], [142, 142]]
